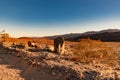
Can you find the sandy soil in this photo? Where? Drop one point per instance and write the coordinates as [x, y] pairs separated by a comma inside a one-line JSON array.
[[13, 68], [17, 64], [8, 68]]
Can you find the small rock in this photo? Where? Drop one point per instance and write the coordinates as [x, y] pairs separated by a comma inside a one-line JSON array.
[[53, 73]]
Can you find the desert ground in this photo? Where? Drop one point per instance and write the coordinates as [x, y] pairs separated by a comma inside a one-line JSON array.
[[28, 63]]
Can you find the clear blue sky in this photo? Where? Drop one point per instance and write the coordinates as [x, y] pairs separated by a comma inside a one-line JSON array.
[[51, 17]]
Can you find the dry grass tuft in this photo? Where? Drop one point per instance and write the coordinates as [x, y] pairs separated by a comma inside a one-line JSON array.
[[88, 50]]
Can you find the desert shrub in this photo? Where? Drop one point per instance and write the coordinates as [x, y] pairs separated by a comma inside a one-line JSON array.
[[5, 35], [88, 50]]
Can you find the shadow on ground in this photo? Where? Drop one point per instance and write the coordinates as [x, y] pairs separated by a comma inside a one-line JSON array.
[[43, 71]]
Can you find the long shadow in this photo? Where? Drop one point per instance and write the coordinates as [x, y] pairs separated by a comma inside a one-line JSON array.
[[28, 71], [43, 71], [39, 50]]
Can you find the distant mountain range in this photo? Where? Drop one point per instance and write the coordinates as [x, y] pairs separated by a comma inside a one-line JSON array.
[[112, 35]]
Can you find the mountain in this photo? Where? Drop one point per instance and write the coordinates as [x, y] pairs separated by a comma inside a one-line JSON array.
[[106, 36], [66, 36], [103, 35], [112, 35]]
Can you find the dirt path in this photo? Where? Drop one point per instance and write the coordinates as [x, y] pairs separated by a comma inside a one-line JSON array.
[[14, 68], [7, 72]]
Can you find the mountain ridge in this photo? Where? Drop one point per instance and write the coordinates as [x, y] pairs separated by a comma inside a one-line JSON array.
[[111, 35]]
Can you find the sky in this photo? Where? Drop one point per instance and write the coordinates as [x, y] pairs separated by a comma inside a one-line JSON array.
[[53, 17]]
